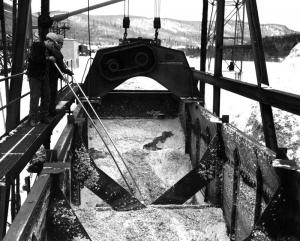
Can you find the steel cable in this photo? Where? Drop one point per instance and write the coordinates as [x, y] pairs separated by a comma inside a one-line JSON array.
[[108, 135], [94, 124]]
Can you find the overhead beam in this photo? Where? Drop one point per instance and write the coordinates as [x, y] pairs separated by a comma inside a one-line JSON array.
[[60, 17], [279, 99]]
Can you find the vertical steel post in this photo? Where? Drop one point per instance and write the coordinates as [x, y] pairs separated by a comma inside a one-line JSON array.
[[4, 54], [14, 22], [26, 186], [29, 28], [13, 200], [13, 111], [14, 32], [203, 48], [235, 194], [44, 21], [18, 196], [261, 73], [14, 35], [3, 34], [4, 199], [259, 194], [219, 53]]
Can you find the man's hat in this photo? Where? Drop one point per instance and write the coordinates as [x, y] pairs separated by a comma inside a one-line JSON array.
[[52, 36]]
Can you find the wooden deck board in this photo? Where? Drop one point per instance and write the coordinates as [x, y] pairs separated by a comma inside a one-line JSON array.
[[22, 143]]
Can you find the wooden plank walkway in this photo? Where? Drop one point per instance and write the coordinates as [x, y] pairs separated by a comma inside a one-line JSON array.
[[19, 147]]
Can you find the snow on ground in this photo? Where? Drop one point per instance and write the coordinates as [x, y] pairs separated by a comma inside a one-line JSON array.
[[282, 76]]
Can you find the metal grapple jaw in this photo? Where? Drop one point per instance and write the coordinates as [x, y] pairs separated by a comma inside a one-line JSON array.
[[113, 66]]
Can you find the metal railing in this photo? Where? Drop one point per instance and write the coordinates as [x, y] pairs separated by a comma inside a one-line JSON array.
[[4, 107], [12, 187], [12, 76]]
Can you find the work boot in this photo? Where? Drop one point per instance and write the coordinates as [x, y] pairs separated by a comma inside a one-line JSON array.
[[45, 120], [33, 122]]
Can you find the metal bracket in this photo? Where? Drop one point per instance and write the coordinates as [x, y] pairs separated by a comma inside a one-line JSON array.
[[55, 167]]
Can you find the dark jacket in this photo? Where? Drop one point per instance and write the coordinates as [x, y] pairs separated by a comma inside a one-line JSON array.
[[38, 66], [53, 72]]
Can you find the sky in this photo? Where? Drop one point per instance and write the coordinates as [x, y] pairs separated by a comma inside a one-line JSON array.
[[270, 11]]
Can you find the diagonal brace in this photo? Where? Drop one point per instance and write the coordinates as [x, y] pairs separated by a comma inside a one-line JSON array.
[[280, 219], [269, 225], [101, 184], [196, 179], [62, 222]]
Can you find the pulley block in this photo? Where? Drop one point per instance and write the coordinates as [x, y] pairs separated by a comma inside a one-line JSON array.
[[124, 61]]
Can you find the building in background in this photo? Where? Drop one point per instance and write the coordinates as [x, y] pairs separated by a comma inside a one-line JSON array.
[[70, 51]]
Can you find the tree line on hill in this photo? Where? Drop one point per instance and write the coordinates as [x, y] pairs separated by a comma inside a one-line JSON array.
[[275, 48]]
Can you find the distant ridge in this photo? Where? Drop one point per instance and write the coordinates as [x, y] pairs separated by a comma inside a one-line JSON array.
[[107, 30]]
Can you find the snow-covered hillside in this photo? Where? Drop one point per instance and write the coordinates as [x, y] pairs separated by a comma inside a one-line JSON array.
[[107, 28]]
